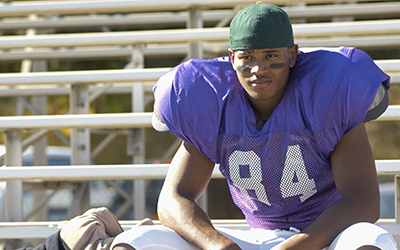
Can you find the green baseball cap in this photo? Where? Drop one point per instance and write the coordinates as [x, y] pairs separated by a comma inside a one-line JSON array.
[[260, 26]]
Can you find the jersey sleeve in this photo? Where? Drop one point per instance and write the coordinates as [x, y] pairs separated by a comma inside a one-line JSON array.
[[355, 91], [189, 99]]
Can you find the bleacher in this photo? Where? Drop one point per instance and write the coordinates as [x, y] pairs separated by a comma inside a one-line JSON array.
[[34, 32]]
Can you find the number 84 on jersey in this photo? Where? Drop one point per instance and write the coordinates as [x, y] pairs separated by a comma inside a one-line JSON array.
[[294, 181]]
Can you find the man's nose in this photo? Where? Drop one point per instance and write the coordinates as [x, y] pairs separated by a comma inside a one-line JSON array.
[[259, 67]]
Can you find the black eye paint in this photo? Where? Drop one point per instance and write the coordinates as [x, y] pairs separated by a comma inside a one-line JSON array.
[[243, 68], [276, 65]]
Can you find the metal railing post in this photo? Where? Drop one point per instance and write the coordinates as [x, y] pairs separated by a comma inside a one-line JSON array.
[[397, 202], [13, 200], [80, 147], [40, 157], [80, 138], [195, 21], [136, 139], [14, 189]]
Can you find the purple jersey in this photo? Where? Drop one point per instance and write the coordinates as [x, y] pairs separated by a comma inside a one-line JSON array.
[[279, 176]]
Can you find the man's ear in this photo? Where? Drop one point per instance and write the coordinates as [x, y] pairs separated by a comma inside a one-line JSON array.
[[232, 55], [293, 55]]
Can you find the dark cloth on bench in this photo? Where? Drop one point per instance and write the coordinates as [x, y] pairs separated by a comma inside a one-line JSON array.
[[53, 242]]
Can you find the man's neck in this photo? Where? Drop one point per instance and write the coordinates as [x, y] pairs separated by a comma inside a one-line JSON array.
[[263, 108]]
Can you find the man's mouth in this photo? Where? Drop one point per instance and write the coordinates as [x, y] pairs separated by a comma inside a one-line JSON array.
[[260, 82]]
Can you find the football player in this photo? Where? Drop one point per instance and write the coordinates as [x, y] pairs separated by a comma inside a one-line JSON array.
[[286, 127]]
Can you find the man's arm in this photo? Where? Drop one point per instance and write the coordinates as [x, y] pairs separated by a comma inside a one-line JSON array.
[[356, 180], [186, 180]]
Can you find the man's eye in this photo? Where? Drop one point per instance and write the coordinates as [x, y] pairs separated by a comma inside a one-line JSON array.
[[245, 57], [271, 56]]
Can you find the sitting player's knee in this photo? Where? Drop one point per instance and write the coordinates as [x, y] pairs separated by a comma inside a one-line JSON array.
[[364, 229], [368, 248], [364, 236]]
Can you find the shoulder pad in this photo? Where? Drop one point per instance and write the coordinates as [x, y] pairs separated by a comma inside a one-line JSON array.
[[158, 122], [379, 105]]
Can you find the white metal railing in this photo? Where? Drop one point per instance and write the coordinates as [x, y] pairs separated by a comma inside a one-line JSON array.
[[89, 76], [108, 52], [89, 172], [211, 49], [49, 90], [363, 42], [366, 10], [125, 75], [115, 38], [75, 7], [49, 83], [58, 83], [389, 65], [126, 20], [139, 19], [395, 78], [392, 113], [301, 31], [102, 6], [117, 88], [122, 120], [126, 171], [388, 167], [346, 28]]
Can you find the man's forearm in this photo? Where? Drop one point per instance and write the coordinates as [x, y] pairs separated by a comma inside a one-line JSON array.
[[332, 222], [187, 219]]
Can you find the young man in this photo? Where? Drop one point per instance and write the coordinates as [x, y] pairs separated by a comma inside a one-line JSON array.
[[287, 130]]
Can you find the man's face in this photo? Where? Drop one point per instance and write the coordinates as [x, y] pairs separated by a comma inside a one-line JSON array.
[[264, 73]]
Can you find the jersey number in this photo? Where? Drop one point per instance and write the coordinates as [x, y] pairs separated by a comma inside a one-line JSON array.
[[294, 182]]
